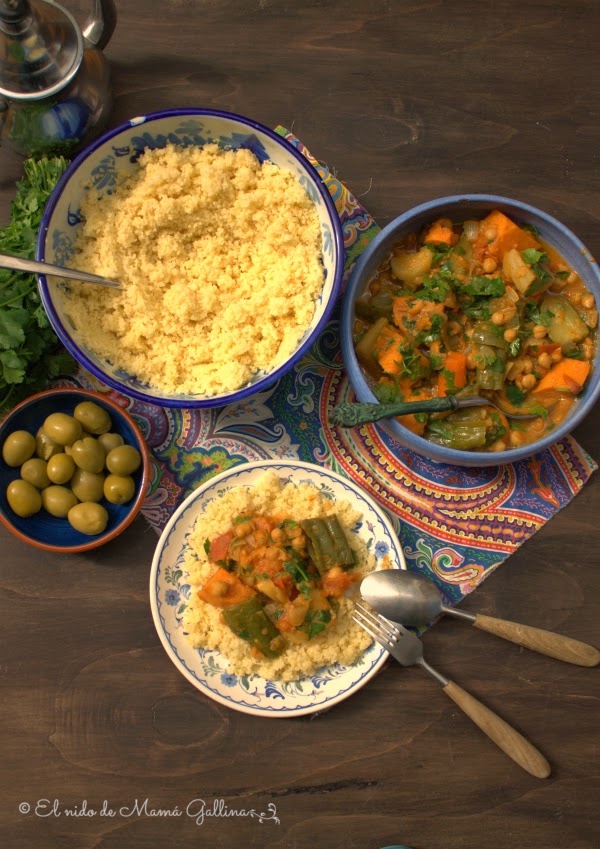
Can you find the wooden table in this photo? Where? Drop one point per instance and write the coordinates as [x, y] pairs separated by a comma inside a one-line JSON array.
[[407, 101]]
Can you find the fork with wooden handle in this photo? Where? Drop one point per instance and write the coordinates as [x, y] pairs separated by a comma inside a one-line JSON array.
[[407, 649]]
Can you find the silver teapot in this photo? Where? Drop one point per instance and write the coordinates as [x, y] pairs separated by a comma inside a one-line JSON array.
[[54, 79]]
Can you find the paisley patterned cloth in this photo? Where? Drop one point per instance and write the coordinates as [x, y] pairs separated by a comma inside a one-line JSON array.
[[455, 524]]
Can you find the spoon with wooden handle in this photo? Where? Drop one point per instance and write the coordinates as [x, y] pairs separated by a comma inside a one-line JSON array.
[[412, 599]]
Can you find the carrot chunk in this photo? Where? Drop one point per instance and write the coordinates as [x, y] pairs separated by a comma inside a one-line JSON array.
[[440, 234], [224, 589], [498, 234], [454, 373], [566, 376], [387, 350]]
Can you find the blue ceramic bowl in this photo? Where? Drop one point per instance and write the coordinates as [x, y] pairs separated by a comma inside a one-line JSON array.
[[460, 208], [48, 532], [117, 152]]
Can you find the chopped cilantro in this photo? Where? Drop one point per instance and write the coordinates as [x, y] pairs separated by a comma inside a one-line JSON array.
[[533, 313], [515, 395], [440, 251], [388, 393], [562, 275], [436, 362], [531, 229], [531, 255], [316, 621], [490, 286], [426, 337], [421, 417], [575, 353], [206, 547], [296, 572]]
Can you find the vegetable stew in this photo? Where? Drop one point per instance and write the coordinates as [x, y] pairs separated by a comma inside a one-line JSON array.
[[477, 308], [277, 581]]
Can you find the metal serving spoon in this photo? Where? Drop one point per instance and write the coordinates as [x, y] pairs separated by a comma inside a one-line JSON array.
[[412, 599], [30, 266], [351, 415]]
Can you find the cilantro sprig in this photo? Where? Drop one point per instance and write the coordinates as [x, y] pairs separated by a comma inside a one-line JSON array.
[[30, 353]]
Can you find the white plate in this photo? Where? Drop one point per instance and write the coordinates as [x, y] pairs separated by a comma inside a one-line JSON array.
[[207, 670]]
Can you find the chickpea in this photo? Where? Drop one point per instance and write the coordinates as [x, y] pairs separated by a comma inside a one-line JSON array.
[[272, 553], [539, 331], [278, 535], [260, 537], [575, 298], [511, 334], [529, 381], [545, 360], [588, 349], [588, 301], [299, 543], [498, 445], [516, 438], [243, 528], [294, 531], [490, 233], [498, 318], [489, 264], [527, 365], [556, 356]]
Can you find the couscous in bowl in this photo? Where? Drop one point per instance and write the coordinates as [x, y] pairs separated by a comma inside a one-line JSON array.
[[101, 170]]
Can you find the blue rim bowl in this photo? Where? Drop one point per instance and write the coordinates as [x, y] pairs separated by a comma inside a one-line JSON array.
[[48, 532], [460, 208], [117, 151]]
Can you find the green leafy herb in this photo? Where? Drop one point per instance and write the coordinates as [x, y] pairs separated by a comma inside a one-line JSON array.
[[562, 275], [531, 255], [316, 621], [575, 353], [421, 417], [436, 362], [480, 286], [30, 353], [440, 251], [207, 547], [388, 393], [531, 229], [495, 431], [533, 313], [240, 520], [426, 337], [296, 572], [515, 395]]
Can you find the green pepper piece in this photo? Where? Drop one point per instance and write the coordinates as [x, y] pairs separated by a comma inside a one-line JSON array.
[[249, 621], [327, 544]]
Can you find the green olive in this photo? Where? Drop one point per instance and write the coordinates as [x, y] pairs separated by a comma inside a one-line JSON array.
[[88, 518], [46, 447], [58, 500], [87, 486], [92, 418], [24, 499], [123, 460], [88, 454], [18, 447], [60, 468], [34, 471], [63, 429], [109, 441], [118, 489]]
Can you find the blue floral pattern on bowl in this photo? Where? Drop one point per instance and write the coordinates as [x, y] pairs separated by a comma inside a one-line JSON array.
[[207, 669], [111, 159]]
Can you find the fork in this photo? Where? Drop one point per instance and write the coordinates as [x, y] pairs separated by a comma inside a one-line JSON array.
[[407, 649]]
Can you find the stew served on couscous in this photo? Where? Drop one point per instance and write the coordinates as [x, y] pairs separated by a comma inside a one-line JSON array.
[[477, 308], [277, 581]]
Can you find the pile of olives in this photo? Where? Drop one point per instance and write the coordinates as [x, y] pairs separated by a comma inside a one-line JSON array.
[[63, 468]]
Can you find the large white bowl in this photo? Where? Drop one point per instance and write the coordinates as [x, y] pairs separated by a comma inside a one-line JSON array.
[[117, 152], [207, 670]]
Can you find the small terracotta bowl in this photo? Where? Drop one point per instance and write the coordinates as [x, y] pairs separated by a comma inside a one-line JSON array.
[[48, 532]]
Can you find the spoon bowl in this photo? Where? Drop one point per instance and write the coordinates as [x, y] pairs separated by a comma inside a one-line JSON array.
[[412, 599]]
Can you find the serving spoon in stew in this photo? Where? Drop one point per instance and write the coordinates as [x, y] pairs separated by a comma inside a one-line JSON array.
[[352, 415], [30, 266], [412, 599]]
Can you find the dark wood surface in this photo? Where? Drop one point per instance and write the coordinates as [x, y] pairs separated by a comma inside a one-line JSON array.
[[407, 101]]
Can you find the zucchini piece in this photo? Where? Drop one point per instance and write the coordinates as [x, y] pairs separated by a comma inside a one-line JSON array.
[[327, 544], [565, 327], [407, 266], [366, 345]]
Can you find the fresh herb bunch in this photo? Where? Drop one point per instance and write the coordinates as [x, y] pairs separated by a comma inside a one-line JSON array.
[[30, 353]]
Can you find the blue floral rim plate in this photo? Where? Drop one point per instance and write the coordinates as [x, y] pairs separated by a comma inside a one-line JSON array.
[[207, 670], [100, 168]]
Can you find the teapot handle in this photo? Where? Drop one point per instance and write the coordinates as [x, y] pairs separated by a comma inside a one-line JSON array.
[[100, 27]]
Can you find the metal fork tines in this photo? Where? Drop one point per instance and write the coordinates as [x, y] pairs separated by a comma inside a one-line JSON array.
[[407, 649], [404, 647]]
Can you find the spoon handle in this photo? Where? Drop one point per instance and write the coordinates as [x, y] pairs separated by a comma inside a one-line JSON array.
[[545, 642], [351, 415], [503, 735], [30, 266]]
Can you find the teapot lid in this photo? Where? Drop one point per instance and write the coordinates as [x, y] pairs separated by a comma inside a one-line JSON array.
[[41, 47]]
